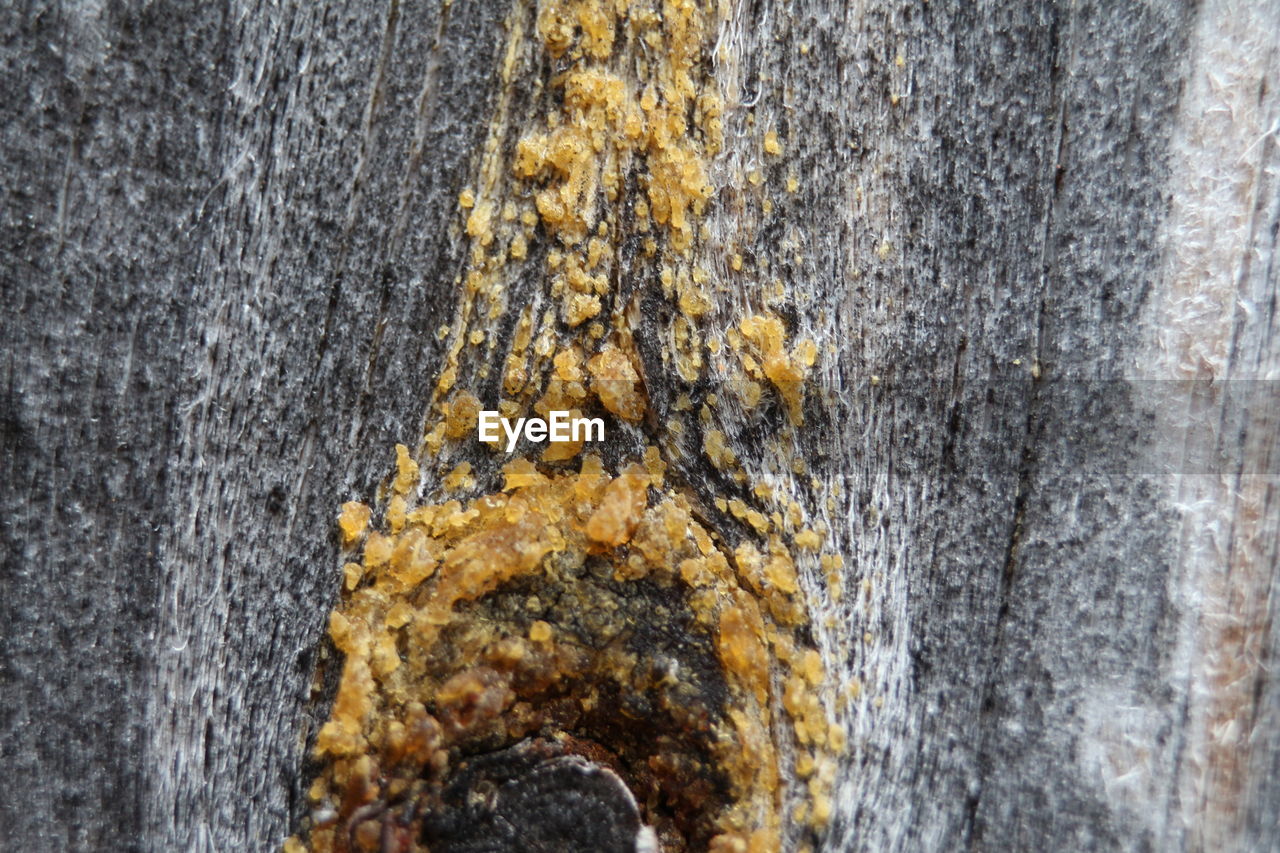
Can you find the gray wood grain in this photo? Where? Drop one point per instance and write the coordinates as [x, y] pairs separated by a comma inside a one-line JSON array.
[[230, 234]]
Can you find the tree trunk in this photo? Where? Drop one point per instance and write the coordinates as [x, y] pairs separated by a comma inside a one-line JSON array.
[[1035, 246]]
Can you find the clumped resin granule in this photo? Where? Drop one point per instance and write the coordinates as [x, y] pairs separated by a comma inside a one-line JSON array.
[[580, 607], [584, 617]]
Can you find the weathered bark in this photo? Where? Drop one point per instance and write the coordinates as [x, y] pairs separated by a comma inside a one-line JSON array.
[[230, 234]]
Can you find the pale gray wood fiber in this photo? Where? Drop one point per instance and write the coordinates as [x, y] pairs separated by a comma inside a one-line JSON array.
[[229, 235]]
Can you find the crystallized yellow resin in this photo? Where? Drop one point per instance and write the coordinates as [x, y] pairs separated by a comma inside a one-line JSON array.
[[481, 616]]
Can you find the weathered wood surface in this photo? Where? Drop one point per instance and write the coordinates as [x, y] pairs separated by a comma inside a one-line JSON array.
[[230, 233]]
